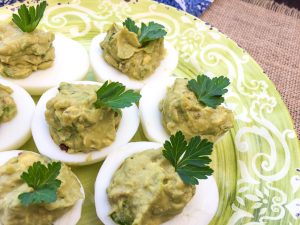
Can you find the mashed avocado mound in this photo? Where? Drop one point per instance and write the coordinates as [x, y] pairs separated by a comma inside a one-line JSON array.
[[182, 111], [22, 53], [122, 50], [11, 185], [74, 121], [146, 190], [8, 108]]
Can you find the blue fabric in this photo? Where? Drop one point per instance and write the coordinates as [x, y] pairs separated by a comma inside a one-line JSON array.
[[8, 2], [194, 7]]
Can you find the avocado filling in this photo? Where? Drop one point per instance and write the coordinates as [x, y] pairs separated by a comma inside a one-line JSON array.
[[22, 53], [182, 111], [12, 212], [75, 124], [122, 50], [8, 108], [146, 190]]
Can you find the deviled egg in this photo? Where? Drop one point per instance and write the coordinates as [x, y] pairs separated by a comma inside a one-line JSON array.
[[16, 112], [137, 185], [20, 202], [131, 55], [72, 124], [38, 60], [169, 105]]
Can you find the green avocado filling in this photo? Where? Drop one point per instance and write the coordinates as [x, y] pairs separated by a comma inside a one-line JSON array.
[[12, 212], [8, 108], [122, 50], [75, 124], [23, 53], [146, 190], [182, 111]]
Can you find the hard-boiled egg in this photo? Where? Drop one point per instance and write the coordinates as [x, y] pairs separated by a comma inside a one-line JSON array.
[[151, 116], [16, 132], [103, 71], [40, 131], [71, 63], [69, 218], [200, 210]]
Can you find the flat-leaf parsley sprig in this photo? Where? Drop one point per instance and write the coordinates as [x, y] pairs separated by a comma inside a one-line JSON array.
[[146, 33], [209, 91], [190, 160], [113, 95], [43, 181], [131, 26], [28, 19]]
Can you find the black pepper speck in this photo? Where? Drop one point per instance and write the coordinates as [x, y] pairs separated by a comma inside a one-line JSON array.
[[64, 147]]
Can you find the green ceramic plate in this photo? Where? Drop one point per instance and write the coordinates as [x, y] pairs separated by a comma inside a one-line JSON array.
[[256, 162]]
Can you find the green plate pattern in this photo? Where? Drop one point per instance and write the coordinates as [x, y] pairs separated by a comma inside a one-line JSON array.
[[256, 162]]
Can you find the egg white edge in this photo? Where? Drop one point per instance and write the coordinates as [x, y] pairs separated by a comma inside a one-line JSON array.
[[40, 131], [151, 116], [20, 125], [103, 71], [41, 80], [205, 200], [69, 218]]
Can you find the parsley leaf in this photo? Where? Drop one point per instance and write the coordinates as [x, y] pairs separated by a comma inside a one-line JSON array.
[[45, 195], [190, 160], [130, 25], [151, 32], [43, 181], [28, 19], [209, 91], [147, 33], [114, 96]]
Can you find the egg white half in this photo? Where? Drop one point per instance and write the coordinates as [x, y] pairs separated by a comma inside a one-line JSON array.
[[69, 218], [71, 63], [103, 71], [40, 131], [151, 116], [200, 210], [14, 133]]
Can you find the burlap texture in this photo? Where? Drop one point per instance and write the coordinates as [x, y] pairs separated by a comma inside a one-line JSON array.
[[288, 7], [272, 38]]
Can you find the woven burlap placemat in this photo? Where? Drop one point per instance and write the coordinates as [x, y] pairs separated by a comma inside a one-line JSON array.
[[288, 7], [271, 37]]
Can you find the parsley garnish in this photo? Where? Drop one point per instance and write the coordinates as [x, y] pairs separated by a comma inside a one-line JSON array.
[[43, 181], [147, 33], [151, 32], [114, 96], [209, 91], [28, 19], [130, 25], [190, 160]]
